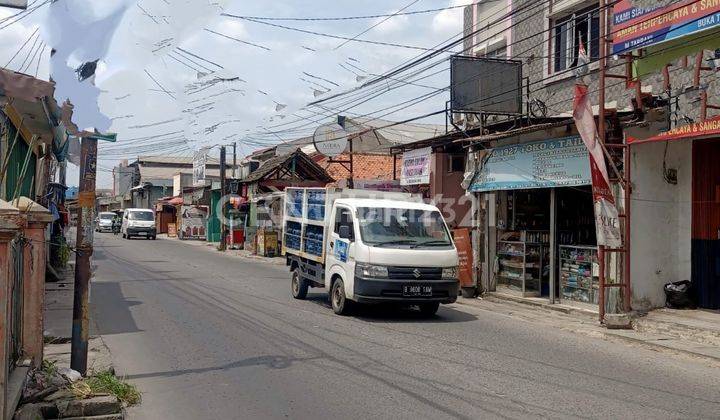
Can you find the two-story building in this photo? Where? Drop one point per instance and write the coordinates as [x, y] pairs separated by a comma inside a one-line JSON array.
[[536, 224]]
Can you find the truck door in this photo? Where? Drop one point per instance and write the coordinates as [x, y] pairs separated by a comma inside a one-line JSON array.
[[338, 255]]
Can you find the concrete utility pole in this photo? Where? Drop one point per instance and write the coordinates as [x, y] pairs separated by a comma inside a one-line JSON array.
[[83, 249], [234, 175], [222, 194]]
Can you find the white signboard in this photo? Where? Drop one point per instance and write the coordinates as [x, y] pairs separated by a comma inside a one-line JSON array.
[[199, 161], [377, 184], [330, 140], [416, 167]]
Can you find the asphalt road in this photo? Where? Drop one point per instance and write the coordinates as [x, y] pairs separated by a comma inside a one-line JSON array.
[[208, 336]]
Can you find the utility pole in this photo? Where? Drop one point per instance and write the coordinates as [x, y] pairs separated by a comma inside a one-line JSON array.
[[234, 170], [83, 251], [222, 194]]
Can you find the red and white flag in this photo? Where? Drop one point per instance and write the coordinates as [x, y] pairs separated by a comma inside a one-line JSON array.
[[607, 224]]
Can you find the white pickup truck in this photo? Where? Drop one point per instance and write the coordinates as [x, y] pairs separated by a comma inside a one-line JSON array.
[[369, 247]]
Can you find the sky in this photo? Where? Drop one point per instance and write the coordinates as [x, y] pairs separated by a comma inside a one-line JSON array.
[[175, 75]]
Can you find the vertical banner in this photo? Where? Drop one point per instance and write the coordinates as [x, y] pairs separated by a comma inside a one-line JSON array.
[[416, 167], [607, 223], [199, 161], [463, 243]]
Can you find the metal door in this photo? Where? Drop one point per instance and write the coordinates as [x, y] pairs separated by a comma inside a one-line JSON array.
[[17, 250], [706, 223]]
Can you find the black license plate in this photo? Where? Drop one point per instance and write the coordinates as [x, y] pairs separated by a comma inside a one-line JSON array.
[[413, 290]]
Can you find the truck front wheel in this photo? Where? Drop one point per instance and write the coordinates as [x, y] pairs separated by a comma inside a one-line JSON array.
[[299, 285], [339, 302]]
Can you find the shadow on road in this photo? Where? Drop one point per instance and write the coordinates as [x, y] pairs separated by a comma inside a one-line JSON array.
[[115, 318], [389, 313], [271, 362]]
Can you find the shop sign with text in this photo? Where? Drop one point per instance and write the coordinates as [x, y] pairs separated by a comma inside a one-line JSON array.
[[639, 27], [544, 164], [708, 128], [416, 167]]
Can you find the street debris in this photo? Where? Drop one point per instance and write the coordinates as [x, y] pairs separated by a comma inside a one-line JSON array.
[[53, 392]]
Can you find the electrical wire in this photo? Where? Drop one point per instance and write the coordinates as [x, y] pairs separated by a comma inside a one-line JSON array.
[[21, 47], [199, 57], [237, 39], [32, 48], [345, 38], [32, 59], [24, 13], [567, 70], [413, 62], [313, 19], [159, 85], [376, 25]]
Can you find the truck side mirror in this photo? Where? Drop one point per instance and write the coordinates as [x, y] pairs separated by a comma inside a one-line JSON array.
[[345, 232]]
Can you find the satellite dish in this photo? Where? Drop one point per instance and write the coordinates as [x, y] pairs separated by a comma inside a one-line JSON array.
[[330, 139]]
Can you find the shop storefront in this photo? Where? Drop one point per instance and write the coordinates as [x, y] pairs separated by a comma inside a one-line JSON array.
[[676, 217], [539, 229]]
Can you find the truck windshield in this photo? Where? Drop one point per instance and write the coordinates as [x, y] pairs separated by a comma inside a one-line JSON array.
[[141, 215], [402, 227], [107, 216]]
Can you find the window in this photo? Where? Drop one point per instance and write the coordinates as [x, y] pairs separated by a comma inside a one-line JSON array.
[[343, 217], [500, 53], [568, 31], [456, 163], [142, 216], [402, 227]]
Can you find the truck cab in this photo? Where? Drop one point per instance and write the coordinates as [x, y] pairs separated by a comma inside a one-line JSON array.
[[380, 250]]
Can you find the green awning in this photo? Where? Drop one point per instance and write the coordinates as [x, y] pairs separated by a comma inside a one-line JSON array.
[[657, 56]]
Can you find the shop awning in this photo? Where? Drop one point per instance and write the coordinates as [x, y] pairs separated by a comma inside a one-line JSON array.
[[698, 130], [562, 162]]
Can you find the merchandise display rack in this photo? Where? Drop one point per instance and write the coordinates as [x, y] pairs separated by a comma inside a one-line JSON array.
[[521, 266], [579, 273]]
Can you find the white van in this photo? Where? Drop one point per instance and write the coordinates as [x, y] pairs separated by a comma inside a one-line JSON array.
[[103, 222], [138, 222]]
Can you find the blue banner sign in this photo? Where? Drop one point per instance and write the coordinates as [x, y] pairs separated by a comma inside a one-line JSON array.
[[560, 162]]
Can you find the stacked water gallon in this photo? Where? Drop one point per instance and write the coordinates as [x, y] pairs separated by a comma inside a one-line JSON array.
[[316, 205], [294, 204], [292, 235], [313, 239]]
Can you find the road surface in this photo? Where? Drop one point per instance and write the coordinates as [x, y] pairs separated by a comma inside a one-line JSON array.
[[210, 336]]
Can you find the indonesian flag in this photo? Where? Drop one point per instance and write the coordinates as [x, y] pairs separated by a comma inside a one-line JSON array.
[[607, 223]]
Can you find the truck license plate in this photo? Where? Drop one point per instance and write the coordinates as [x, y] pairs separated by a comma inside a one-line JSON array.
[[412, 290]]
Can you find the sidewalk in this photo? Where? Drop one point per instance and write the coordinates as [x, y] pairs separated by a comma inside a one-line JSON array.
[[692, 332], [58, 325], [230, 252]]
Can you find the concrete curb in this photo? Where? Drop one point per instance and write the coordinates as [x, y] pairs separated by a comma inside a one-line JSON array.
[[500, 298]]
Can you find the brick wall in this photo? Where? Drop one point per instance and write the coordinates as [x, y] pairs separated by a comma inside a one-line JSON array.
[[365, 166]]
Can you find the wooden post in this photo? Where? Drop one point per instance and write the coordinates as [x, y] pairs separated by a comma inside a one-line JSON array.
[[83, 249]]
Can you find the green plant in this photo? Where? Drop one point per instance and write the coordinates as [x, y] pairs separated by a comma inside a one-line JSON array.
[[106, 382], [49, 367], [64, 254]]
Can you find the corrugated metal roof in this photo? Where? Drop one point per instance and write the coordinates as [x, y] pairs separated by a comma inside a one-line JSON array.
[[276, 162], [181, 160], [150, 173]]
